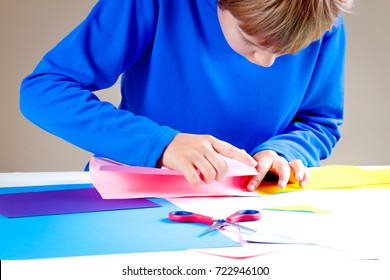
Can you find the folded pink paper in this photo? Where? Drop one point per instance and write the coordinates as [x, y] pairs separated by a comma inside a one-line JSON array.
[[114, 180]]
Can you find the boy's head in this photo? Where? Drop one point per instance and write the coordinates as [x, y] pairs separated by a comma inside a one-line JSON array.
[[282, 26]]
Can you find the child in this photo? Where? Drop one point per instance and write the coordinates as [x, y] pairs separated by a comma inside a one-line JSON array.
[[200, 79]]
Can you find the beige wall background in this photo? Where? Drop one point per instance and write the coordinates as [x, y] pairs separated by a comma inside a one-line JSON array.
[[28, 29]]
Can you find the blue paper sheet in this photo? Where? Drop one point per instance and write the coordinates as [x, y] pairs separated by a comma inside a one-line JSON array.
[[98, 233], [28, 204], [7, 190]]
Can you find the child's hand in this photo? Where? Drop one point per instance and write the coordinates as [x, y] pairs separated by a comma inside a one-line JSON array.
[[269, 161], [199, 158]]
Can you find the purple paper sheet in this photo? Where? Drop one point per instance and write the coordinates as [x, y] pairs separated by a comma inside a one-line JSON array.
[[64, 202]]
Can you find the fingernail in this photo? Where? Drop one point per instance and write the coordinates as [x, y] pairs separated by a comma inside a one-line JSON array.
[[282, 184], [302, 183], [299, 176], [251, 187]]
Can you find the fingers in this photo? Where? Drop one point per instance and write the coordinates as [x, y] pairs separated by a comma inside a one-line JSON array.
[[255, 181], [299, 172], [199, 158], [232, 152], [192, 176], [270, 161], [212, 167], [305, 178]]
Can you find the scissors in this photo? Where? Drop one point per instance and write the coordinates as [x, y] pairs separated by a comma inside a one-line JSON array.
[[232, 220]]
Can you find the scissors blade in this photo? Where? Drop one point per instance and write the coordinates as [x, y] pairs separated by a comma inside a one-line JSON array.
[[240, 227], [214, 226]]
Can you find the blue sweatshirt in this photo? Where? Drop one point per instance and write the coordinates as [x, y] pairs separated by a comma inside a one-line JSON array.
[[180, 75]]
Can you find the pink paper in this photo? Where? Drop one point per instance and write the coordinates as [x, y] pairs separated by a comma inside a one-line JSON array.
[[115, 180]]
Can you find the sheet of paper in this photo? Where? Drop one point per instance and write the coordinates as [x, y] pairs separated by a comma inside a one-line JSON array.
[[383, 171], [335, 177], [114, 180], [235, 168], [101, 233], [335, 232], [351, 224], [345, 223], [67, 201], [40, 188], [344, 176], [281, 253], [298, 208], [270, 238], [246, 251]]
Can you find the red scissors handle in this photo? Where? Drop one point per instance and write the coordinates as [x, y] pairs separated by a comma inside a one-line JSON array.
[[244, 216], [189, 217]]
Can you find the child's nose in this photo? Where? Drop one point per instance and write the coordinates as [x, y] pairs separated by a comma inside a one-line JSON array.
[[265, 59]]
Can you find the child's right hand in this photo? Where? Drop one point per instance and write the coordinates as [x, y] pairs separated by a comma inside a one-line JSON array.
[[199, 158]]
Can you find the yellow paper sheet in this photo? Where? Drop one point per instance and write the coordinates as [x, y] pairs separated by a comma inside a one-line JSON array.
[[383, 171], [272, 188], [335, 177], [344, 176], [299, 208]]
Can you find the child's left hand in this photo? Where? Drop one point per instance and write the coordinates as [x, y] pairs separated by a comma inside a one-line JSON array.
[[269, 161]]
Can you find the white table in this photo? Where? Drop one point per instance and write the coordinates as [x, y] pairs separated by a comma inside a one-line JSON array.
[[359, 221]]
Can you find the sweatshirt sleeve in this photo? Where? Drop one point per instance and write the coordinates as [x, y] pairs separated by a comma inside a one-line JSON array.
[[59, 95], [314, 131]]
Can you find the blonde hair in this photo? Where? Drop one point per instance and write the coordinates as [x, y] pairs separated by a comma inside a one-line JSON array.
[[286, 26]]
